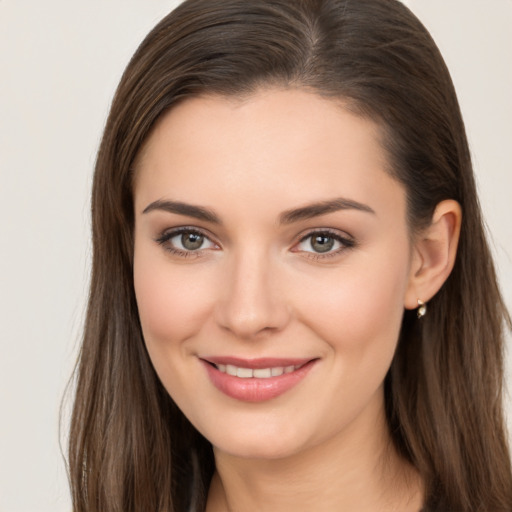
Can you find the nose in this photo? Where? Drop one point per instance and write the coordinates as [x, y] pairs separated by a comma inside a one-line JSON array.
[[252, 302]]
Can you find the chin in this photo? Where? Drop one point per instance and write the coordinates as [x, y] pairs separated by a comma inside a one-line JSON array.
[[258, 449], [270, 442]]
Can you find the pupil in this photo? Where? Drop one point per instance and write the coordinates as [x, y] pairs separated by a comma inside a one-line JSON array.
[[192, 241], [322, 243]]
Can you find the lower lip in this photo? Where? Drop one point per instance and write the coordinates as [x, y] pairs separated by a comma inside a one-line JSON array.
[[254, 389]]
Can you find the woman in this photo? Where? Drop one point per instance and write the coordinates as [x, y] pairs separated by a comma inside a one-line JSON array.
[[293, 306]]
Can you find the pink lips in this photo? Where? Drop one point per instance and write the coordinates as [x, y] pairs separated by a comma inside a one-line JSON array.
[[254, 388]]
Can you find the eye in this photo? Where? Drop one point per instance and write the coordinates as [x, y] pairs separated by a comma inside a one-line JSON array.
[[324, 243], [189, 241], [184, 241]]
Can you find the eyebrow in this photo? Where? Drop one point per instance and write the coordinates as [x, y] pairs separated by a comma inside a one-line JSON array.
[[322, 208], [190, 210], [288, 217]]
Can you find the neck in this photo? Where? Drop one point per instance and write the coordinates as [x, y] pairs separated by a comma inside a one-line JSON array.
[[357, 470]]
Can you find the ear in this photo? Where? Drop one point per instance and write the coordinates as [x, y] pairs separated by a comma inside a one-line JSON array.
[[434, 254]]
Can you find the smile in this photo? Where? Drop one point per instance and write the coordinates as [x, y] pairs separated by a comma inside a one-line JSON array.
[[256, 380], [258, 373]]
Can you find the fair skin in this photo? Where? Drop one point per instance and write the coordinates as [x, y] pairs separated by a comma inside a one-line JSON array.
[[230, 267]]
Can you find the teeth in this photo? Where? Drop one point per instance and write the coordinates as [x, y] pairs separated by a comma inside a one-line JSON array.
[[262, 373], [244, 373], [230, 370], [258, 373]]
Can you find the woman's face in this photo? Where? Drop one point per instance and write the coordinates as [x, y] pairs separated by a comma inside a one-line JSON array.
[[272, 262]]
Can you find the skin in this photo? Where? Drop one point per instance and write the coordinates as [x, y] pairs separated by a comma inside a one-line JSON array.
[[257, 288]]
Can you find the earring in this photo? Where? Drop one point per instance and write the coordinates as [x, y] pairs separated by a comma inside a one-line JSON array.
[[422, 309]]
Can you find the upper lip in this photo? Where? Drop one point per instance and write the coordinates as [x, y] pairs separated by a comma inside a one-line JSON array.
[[258, 363]]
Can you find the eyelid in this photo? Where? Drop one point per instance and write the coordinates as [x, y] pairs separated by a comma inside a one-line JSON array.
[[167, 234], [347, 242]]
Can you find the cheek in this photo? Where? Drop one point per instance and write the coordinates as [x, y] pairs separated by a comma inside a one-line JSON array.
[[171, 304], [358, 313], [360, 305]]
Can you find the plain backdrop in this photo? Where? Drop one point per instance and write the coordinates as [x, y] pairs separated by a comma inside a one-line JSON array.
[[60, 61]]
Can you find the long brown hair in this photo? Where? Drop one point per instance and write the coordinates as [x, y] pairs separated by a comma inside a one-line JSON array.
[[131, 449]]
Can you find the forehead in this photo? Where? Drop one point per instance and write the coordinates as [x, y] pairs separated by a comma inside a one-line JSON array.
[[268, 110], [291, 144]]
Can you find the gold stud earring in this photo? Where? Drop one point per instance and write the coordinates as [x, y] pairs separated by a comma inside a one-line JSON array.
[[422, 309]]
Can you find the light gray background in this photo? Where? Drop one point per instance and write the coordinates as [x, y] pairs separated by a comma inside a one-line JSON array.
[[60, 61]]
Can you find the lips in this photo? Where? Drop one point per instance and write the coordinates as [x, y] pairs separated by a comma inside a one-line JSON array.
[[256, 380], [259, 373]]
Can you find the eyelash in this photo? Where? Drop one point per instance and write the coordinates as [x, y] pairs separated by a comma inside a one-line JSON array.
[[166, 236], [345, 242]]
